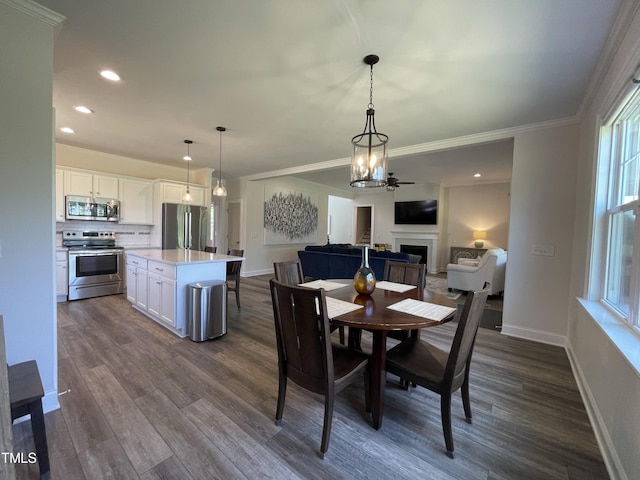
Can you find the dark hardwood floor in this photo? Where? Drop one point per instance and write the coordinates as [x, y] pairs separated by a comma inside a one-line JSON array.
[[139, 402]]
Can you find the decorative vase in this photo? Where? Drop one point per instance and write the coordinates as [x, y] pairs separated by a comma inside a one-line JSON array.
[[364, 281]]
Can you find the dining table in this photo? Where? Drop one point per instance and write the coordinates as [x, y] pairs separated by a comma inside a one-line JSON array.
[[376, 317]]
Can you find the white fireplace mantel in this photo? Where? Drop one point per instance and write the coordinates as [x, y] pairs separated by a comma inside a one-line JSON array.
[[430, 239]]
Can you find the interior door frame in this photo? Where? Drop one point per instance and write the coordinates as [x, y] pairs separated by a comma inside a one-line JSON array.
[[231, 203], [371, 208]]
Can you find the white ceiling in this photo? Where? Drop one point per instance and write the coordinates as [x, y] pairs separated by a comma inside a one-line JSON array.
[[286, 78]]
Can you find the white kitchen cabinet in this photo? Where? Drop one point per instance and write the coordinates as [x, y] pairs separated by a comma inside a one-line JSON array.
[[91, 185], [62, 275], [136, 201], [137, 281], [170, 272], [59, 195], [172, 192], [162, 298], [142, 289]]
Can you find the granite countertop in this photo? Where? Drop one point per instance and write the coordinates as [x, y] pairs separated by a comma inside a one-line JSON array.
[[181, 256]]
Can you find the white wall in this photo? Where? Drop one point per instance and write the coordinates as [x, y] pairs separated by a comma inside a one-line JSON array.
[[543, 189], [609, 383], [340, 211], [27, 250], [478, 207], [260, 257], [383, 212]]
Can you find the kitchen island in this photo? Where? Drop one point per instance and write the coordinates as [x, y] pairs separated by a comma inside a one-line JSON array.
[[158, 280]]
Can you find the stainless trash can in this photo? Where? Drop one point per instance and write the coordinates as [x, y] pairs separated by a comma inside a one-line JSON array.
[[207, 314]]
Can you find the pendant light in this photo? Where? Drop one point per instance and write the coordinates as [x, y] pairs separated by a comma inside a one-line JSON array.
[[369, 159], [219, 190], [187, 157]]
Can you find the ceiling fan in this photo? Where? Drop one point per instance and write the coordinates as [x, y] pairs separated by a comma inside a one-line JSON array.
[[392, 182]]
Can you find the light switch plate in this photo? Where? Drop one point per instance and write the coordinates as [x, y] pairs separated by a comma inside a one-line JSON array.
[[544, 250]]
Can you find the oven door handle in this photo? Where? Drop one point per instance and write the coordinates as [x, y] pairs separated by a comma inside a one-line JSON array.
[[94, 254]]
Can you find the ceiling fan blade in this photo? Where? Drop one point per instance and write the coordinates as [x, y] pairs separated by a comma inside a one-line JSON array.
[[405, 183]]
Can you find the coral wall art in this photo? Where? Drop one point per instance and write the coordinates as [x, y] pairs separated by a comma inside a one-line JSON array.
[[289, 217]]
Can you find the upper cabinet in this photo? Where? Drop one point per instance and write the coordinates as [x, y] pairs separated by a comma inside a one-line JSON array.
[[173, 192], [90, 185], [139, 197], [136, 201]]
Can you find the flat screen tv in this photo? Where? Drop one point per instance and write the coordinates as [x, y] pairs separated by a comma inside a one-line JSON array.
[[418, 212]]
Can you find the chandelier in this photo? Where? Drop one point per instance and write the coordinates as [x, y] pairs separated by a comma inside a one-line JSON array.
[[369, 158]]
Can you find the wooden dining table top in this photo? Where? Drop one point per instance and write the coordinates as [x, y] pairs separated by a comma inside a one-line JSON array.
[[376, 316]]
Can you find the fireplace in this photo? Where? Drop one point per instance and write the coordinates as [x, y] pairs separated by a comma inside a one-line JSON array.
[[419, 239], [421, 250]]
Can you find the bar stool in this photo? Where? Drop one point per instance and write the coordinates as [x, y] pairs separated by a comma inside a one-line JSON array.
[[25, 396]]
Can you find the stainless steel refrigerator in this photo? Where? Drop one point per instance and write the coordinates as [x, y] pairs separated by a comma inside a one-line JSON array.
[[184, 226]]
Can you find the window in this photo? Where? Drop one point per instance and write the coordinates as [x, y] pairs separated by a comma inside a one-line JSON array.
[[620, 165]]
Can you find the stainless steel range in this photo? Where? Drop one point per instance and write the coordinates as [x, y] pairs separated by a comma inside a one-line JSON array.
[[95, 264]]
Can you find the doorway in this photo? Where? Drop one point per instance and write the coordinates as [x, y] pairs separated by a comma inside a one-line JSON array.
[[233, 225], [364, 225]]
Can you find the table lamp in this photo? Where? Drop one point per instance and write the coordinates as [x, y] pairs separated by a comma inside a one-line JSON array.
[[479, 236]]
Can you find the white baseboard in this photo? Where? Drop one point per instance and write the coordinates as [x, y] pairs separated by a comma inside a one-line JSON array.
[[253, 273], [535, 335], [609, 455], [50, 402], [607, 449]]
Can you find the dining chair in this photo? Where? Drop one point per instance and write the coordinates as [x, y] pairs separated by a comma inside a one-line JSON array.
[[290, 273], [407, 274], [210, 249], [397, 272], [306, 354], [421, 363], [233, 273]]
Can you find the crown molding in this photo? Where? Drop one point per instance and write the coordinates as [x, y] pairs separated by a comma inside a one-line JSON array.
[[36, 11], [438, 145], [624, 20]]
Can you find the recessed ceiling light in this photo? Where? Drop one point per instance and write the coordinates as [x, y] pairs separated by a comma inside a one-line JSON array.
[[110, 75], [67, 130], [82, 109], [477, 175]]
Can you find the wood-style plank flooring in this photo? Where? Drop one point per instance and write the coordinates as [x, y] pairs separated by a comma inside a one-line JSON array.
[[142, 403]]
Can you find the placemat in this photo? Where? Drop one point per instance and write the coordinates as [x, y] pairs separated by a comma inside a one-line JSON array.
[[418, 308], [394, 287]]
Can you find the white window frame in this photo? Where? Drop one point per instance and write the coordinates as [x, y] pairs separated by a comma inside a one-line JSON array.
[[607, 204]]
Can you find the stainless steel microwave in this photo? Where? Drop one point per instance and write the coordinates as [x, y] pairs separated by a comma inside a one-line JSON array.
[[90, 208]]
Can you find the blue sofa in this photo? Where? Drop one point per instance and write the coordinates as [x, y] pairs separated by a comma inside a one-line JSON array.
[[342, 261]]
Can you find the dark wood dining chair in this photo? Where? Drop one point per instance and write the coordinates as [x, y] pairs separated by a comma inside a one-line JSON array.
[[210, 249], [407, 274], [290, 273], [233, 273], [306, 354], [421, 363], [397, 272]]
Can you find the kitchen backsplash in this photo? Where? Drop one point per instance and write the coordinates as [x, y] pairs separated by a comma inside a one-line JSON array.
[[126, 235]]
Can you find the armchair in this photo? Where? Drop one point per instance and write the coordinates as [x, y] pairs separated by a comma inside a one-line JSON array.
[[490, 268]]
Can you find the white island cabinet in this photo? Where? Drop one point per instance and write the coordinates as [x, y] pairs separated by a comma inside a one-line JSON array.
[[164, 296]]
